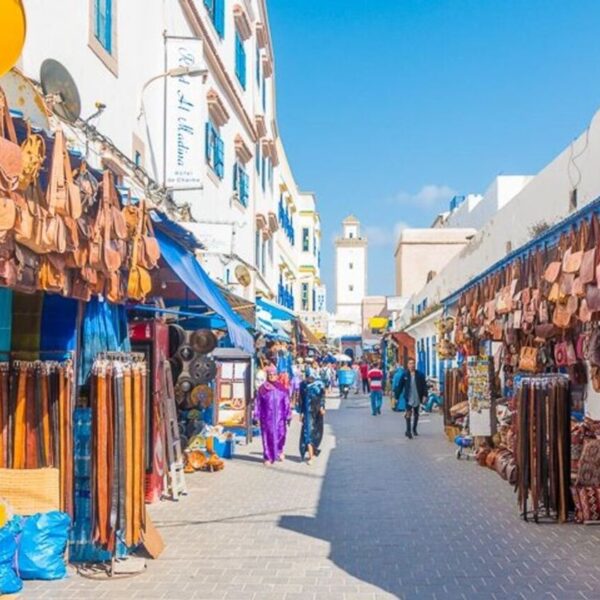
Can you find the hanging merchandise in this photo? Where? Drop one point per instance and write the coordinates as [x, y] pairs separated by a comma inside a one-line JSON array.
[[36, 400], [62, 232], [118, 402], [543, 446]]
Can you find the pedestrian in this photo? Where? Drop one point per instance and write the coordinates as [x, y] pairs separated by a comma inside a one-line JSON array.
[[413, 388], [399, 401], [273, 412], [364, 376], [375, 377], [357, 377], [296, 381], [312, 412]]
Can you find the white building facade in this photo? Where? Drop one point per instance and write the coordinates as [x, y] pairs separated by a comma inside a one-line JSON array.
[[210, 139]]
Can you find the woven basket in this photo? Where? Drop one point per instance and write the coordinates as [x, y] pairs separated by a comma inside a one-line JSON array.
[[451, 432], [31, 491]]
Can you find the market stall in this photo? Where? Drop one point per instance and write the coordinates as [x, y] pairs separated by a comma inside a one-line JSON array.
[[527, 347]]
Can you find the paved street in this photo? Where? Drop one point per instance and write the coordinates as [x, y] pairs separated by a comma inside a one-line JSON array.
[[377, 517]]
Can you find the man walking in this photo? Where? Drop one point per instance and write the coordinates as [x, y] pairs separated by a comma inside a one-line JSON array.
[[375, 378], [413, 388]]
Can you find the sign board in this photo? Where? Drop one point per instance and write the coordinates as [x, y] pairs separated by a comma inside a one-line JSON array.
[[186, 101]]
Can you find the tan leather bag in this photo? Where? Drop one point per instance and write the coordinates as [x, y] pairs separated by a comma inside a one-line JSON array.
[[139, 283], [150, 251], [53, 273], [63, 195], [11, 158], [528, 359], [110, 255]]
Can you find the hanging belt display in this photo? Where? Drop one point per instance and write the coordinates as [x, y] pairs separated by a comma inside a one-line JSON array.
[[543, 446], [36, 405], [118, 401]]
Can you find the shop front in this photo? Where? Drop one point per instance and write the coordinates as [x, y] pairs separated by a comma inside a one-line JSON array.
[[523, 343]]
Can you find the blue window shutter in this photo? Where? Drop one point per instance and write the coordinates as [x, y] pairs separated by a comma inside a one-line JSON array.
[[208, 143], [219, 158], [240, 60], [108, 26], [219, 17], [235, 178]]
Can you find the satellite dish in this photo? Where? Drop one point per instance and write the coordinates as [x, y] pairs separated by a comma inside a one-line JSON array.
[[242, 274], [58, 84], [24, 97], [13, 26]]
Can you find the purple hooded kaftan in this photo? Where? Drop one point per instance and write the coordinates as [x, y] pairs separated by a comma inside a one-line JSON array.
[[273, 410]]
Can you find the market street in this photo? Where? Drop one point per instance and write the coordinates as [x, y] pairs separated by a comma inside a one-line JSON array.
[[376, 516]]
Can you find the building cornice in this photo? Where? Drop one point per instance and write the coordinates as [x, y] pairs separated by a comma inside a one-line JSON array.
[[210, 50]]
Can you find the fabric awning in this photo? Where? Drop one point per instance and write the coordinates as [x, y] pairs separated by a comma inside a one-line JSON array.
[[276, 310], [188, 269]]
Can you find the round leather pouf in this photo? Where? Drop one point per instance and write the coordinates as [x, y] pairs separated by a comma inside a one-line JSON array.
[[203, 341]]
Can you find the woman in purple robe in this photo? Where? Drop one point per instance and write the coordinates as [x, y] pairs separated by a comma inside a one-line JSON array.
[[273, 411]]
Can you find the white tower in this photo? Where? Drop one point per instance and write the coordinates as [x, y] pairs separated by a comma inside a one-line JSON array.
[[350, 271]]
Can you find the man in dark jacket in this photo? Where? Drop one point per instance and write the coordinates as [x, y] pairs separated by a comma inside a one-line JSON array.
[[413, 388]]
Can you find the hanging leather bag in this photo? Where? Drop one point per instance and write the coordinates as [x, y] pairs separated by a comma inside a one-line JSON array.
[[573, 256], [592, 297], [139, 283], [63, 195], [53, 273], [11, 158], [110, 255], [150, 255], [528, 358], [27, 269], [587, 273]]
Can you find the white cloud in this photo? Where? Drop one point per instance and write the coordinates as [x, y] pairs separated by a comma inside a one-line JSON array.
[[384, 236], [378, 236], [430, 195]]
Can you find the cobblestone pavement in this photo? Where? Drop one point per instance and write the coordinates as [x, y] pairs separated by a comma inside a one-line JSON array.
[[377, 517]]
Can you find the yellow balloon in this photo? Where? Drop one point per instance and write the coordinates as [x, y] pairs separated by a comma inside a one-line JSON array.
[[12, 33]]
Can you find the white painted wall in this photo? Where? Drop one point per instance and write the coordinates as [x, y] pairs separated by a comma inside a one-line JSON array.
[[223, 224]]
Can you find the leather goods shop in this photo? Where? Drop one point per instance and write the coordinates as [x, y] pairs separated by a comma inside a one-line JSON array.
[[107, 325], [521, 344]]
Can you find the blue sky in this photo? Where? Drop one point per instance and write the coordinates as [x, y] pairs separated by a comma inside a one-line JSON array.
[[387, 108]]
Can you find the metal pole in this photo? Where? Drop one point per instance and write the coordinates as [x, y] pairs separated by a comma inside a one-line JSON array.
[[164, 148]]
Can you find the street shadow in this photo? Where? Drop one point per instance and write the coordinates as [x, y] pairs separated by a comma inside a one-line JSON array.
[[368, 526]]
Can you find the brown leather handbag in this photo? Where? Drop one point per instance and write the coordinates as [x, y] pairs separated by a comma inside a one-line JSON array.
[[53, 273], [28, 265], [528, 359], [592, 297], [573, 256], [587, 272], [63, 195], [11, 158], [150, 253]]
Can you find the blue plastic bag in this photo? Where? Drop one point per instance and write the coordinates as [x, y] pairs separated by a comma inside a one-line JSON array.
[[9, 581], [42, 544]]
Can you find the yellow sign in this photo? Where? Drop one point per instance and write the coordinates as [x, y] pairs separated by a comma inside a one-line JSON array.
[[378, 323], [12, 33]]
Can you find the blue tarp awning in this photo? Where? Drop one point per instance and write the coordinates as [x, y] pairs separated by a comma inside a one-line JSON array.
[[276, 310], [188, 269]]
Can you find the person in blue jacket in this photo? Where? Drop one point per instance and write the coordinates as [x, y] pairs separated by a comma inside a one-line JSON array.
[[413, 388], [399, 403]]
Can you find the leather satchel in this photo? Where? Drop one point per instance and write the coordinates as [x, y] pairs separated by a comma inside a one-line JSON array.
[[588, 262], [53, 273], [592, 297], [552, 271], [11, 158], [585, 314], [528, 359], [561, 316], [63, 195], [8, 265], [28, 264]]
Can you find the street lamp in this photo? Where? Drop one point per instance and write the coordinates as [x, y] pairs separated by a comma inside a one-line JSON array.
[[184, 71]]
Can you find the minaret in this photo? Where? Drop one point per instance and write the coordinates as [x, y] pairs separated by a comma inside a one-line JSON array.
[[350, 271]]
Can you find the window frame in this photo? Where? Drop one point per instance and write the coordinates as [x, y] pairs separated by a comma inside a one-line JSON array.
[[241, 183], [240, 60], [216, 12], [305, 239], [98, 44], [214, 149]]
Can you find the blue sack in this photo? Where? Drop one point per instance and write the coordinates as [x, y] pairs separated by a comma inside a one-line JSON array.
[[9, 581], [42, 545]]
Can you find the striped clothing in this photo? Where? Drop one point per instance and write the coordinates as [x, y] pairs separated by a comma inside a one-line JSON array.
[[376, 379]]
